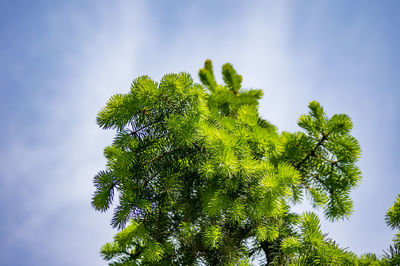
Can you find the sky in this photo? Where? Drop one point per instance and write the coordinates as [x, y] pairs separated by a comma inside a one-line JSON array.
[[61, 60]]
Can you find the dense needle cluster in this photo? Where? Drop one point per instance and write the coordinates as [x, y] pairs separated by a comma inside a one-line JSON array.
[[202, 179]]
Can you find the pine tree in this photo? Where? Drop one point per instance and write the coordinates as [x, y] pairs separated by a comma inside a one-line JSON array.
[[392, 218], [201, 178], [311, 247], [391, 256]]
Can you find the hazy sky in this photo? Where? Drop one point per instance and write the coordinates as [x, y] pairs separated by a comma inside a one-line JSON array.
[[61, 60]]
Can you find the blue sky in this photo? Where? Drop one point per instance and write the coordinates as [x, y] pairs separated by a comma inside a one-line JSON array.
[[61, 60]]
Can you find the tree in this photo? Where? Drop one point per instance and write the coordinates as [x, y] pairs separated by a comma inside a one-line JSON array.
[[392, 255], [311, 247], [201, 178], [392, 218]]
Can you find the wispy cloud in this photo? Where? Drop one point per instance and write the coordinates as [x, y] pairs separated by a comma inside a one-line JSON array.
[[47, 181]]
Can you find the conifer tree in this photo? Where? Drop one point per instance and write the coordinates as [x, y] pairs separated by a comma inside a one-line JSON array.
[[311, 247], [201, 178], [392, 218], [391, 256]]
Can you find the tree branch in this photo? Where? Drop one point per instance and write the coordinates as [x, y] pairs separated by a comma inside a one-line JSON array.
[[333, 163], [160, 156], [134, 132], [313, 151], [148, 180]]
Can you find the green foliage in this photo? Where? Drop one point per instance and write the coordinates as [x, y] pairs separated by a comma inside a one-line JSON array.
[[393, 215], [326, 160], [392, 218], [369, 259], [203, 179], [311, 247], [231, 78], [392, 255]]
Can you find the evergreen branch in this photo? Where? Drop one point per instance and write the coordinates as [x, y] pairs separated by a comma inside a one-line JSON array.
[[148, 180], [158, 157], [266, 246], [199, 148], [306, 185], [322, 182], [138, 252], [150, 141], [319, 180], [134, 132], [129, 254], [313, 151], [333, 163]]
